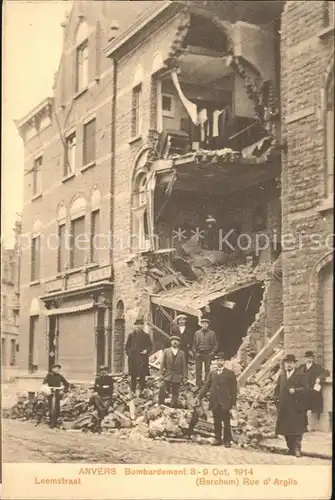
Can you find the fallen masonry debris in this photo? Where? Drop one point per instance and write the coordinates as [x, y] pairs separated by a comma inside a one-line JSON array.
[[141, 417]]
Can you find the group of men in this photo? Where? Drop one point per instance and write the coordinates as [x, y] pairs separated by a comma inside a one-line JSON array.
[[298, 390]]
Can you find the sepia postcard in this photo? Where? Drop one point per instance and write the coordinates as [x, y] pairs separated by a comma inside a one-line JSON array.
[[167, 250]]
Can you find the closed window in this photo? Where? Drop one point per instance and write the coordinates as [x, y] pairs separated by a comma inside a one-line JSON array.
[[136, 123], [78, 241], [82, 67], [61, 260], [37, 176], [89, 142], [70, 155], [35, 258], [95, 222]]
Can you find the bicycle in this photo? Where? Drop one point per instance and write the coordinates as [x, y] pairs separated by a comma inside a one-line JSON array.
[[54, 402]]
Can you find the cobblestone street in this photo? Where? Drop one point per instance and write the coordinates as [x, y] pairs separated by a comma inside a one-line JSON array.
[[25, 443]]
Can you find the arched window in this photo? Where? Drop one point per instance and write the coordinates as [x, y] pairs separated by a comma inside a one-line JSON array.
[[82, 57], [329, 136], [78, 236], [141, 236]]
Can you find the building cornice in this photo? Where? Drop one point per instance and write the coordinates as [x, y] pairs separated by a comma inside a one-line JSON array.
[[43, 109]]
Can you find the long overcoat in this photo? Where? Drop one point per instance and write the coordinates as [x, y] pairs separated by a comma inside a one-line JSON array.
[[291, 407], [314, 398], [137, 342]]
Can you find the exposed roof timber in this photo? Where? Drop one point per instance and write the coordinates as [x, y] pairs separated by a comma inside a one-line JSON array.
[[175, 306]]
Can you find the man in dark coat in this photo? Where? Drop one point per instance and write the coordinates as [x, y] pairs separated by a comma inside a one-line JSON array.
[[103, 388], [172, 371], [204, 346], [290, 395], [184, 332], [55, 379], [316, 376], [138, 348], [222, 385]]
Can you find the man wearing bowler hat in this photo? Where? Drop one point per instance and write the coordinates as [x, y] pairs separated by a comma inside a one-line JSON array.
[[103, 392], [172, 371], [204, 346], [184, 332], [222, 384], [138, 348], [316, 376], [290, 395], [55, 379]]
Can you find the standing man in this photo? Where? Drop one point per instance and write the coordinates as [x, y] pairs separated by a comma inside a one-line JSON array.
[[204, 346], [290, 395], [138, 348], [181, 330], [55, 379], [172, 371], [222, 384], [103, 388], [316, 376]]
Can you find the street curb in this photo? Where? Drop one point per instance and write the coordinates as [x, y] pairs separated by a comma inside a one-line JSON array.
[[310, 454]]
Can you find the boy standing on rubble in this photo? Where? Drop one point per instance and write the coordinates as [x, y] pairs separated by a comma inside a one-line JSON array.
[[103, 388], [204, 346], [138, 348], [172, 371], [222, 384]]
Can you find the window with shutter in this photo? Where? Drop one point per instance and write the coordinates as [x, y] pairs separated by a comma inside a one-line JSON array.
[[95, 222], [89, 142], [70, 155], [136, 122], [61, 248], [37, 176], [77, 252], [35, 258]]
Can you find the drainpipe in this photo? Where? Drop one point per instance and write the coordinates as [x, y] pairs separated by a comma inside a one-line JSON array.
[[112, 184]]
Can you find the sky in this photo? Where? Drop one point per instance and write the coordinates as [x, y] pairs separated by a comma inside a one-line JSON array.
[[32, 45]]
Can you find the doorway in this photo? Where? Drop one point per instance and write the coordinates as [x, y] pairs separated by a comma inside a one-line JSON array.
[[119, 338], [101, 339]]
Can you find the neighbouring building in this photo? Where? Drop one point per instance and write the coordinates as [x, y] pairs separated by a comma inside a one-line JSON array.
[[307, 98], [10, 305]]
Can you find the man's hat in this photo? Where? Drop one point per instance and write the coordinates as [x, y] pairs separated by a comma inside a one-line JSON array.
[[290, 358], [103, 368], [56, 365], [139, 321], [219, 355], [174, 337], [205, 317], [180, 316], [309, 354]]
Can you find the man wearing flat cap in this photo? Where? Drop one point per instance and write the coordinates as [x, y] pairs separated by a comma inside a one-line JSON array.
[[138, 348], [55, 379], [316, 376], [204, 346], [290, 395], [172, 372], [222, 384], [183, 331], [103, 392]]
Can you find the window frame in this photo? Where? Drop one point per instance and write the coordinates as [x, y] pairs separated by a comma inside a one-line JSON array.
[[35, 269], [37, 186], [137, 111], [73, 263], [94, 253], [68, 169], [88, 161], [171, 113], [61, 266], [81, 87]]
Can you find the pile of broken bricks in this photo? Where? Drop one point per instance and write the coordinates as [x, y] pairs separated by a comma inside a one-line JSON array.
[[142, 417]]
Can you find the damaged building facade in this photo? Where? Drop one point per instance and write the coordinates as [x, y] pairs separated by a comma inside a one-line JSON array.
[[164, 133]]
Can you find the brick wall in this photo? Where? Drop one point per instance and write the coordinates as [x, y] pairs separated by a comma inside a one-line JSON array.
[[305, 57]]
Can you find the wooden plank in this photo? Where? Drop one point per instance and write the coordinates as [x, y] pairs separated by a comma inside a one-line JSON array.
[[165, 313], [260, 357], [159, 330], [178, 306], [269, 365]]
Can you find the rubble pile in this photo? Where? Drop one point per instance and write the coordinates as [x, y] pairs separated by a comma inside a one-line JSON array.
[[256, 412]]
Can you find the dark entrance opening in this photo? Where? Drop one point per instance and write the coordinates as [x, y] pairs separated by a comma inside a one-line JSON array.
[[52, 348], [119, 338], [231, 325]]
